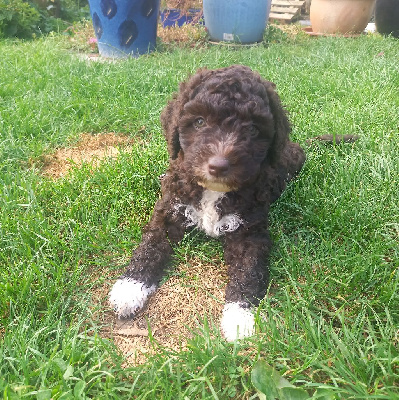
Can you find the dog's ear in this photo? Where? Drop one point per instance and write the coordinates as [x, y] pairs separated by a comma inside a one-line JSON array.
[[169, 121], [171, 114], [282, 125]]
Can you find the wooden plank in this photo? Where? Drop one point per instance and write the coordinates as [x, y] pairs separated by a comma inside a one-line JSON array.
[[298, 3], [284, 10], [285, 17]]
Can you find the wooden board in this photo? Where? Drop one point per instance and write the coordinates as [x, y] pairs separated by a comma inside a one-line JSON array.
[[299, 3], [285, 10]]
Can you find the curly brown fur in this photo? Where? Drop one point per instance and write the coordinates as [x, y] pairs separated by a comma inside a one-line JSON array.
[[230, 158]]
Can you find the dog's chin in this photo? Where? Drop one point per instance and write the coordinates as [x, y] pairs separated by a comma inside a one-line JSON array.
[[217, 186]]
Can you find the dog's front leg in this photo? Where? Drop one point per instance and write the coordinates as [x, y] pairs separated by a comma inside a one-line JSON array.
[[148, 263], [246, 255]]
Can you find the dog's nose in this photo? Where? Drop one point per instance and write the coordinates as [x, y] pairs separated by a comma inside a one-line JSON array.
[[218, 166]]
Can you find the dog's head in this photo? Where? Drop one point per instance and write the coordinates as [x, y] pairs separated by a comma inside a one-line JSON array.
[[224, 125]]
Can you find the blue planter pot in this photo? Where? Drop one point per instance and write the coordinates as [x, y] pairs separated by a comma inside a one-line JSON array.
[[125, 27], [242, 21]]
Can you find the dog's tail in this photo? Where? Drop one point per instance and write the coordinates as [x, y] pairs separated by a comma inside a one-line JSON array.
[[334, 139]]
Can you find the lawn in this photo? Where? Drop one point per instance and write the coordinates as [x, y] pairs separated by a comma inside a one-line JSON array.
[[331, 317]]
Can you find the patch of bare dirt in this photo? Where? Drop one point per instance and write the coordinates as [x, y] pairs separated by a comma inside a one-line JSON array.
[[195, 291], [89, 149]]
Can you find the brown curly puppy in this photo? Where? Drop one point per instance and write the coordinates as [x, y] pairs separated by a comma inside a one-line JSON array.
[[230, 158]]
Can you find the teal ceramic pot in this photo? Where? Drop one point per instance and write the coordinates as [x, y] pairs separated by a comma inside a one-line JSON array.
[[125, 28], [242, 21]]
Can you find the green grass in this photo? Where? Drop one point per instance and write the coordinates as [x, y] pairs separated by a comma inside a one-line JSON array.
[[332, 315]]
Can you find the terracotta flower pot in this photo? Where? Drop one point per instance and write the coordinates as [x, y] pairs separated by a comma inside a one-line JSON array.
[[340, 16]]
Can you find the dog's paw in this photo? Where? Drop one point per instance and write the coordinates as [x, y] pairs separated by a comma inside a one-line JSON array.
[[238, 321], [128, 296]]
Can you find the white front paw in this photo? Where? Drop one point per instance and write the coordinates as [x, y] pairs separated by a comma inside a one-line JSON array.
[[237, 321], [129, 296]]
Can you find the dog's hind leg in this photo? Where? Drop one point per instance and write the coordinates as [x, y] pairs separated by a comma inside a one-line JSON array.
[[293, 157], [286, 168], [148, 263]]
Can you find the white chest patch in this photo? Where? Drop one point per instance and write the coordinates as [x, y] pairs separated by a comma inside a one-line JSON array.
[[207, 218]]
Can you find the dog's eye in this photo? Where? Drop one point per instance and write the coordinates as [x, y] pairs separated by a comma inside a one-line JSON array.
[[253, 131], [199, 123]]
